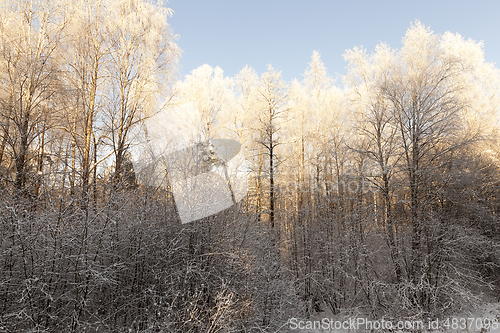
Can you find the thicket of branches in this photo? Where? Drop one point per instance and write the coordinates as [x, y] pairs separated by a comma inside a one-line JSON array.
[[380, 195]]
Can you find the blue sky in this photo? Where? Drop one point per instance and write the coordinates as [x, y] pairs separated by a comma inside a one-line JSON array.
[[232, 34]]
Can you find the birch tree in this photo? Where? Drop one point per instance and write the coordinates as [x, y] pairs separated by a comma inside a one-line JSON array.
[[211, 93], [143, 57], [423, 92], [30, 33], [367, 77], [415, 106], [85, 56]]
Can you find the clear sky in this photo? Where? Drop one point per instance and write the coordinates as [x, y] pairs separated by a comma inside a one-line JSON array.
[[233, 33]]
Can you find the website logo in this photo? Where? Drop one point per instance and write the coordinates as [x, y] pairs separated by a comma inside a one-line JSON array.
[[206, 178]]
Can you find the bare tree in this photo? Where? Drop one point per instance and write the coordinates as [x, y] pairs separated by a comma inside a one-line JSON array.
[[143, 56], [381, 140], [273, 112], [31, 79]]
